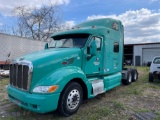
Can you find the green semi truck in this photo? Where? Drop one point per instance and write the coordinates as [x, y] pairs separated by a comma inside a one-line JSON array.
[[77, 64]]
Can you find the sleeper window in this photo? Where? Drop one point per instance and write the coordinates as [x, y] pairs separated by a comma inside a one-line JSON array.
[[116, 47]]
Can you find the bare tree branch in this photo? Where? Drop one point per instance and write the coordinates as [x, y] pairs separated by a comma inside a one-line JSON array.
[[37, 23]]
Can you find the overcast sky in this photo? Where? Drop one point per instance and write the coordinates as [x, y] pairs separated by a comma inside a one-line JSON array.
[[141, 18]]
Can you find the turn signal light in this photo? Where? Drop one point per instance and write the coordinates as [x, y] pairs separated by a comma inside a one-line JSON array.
[[52, 88]]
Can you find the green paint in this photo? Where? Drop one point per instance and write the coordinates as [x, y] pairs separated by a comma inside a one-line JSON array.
[[58, 66]]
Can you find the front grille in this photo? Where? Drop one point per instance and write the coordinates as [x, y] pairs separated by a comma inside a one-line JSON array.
[[19, 76]]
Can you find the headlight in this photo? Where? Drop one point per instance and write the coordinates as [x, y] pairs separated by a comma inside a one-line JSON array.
[[45, 89]]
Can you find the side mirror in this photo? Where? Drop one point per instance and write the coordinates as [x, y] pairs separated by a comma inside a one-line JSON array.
[[93, 48], [46, 46]]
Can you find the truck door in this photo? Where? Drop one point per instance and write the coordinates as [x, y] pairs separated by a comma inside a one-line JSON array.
[[94, 62]]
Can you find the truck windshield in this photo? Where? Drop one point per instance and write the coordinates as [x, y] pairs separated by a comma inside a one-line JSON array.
[[69, 41]]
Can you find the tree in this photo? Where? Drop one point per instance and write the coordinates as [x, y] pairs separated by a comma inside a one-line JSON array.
[[37, 23]]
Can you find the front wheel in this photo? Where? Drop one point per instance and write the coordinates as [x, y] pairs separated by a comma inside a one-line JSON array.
[[70, 99]]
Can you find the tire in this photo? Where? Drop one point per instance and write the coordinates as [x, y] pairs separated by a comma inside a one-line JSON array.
[[134, 75], [129, 78], [151, 77], [70, 99]]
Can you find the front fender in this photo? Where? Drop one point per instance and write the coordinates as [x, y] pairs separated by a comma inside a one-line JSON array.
[[61, 77]]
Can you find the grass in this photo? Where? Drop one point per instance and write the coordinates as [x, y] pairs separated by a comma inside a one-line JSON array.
[[142, 110], [3, 91], [119, 103], [94, 113], [3, 82]]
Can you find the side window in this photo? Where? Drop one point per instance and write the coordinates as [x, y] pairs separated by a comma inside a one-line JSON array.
[[98, 42], [116, 47]]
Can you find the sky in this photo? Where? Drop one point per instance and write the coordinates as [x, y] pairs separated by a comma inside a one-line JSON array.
[[141, 18]]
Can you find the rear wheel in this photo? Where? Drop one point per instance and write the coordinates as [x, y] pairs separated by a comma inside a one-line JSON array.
[[151, 77], [71, 99], [129, 78], [134, 75]]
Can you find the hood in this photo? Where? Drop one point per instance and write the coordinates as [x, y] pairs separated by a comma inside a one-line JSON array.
[[51, 55], [47, 61]]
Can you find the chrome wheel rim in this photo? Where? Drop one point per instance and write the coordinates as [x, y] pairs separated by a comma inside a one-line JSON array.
[[73, 99]]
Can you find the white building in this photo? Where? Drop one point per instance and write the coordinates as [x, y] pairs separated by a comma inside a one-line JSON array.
[[141, 54]]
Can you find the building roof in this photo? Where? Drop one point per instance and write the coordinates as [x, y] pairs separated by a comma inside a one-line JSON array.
[[141, 44]]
